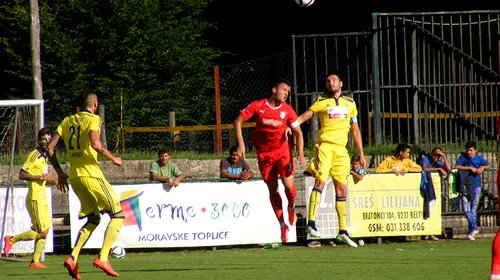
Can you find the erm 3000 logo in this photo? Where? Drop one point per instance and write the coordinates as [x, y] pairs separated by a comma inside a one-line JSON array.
[[131, 207]]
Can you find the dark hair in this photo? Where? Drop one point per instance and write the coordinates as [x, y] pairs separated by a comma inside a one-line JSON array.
[[471, 144], [42, 132], [355, 159], [85, 101], [279, 81], [232, 150], [421, 155], [163, 151], [435, 149], [334, 74], [401, 148]]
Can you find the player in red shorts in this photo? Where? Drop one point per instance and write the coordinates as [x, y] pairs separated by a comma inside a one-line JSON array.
[[272, 116], [495, 247]]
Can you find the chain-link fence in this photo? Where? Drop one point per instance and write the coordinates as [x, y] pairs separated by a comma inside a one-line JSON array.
[[245, 82], [182, 117]]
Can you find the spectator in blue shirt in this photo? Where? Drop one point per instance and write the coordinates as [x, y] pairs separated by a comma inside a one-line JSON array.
[[475, 164], [435, 161], [357, 171], [234, 167]]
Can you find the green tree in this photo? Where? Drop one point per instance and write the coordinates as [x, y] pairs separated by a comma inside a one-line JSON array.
[[152, 51]]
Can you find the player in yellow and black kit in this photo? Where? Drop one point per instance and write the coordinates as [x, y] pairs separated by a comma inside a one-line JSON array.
[[81, 135], [337, 115], [35, 170]]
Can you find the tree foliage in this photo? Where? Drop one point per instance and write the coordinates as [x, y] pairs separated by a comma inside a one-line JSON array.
[[151, 52]]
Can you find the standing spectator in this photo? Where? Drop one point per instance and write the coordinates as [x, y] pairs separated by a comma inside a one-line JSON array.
[[35, 170], [165, 171], [475, 165], [357, 171], [400, 163], [234, 167], [338, 115], [274, 154], [81, 134]]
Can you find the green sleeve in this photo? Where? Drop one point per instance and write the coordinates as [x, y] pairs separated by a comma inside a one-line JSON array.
[[154, 167], [176, 170]]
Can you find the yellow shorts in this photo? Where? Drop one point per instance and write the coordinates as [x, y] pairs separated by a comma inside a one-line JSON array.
[[40, 214], [95, 195], [330, 160]]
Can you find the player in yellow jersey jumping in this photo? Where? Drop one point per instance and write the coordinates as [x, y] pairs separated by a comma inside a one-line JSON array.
[[35, 170], [337, 115], [81, 135]]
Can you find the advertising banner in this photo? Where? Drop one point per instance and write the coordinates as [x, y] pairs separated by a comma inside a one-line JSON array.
[[191, 215], [17, 218], [381, 205]]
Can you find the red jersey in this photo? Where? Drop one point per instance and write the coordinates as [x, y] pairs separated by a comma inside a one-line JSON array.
[[271, 124]]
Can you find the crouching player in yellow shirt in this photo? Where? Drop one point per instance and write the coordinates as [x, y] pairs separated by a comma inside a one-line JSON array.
[[35, 170]]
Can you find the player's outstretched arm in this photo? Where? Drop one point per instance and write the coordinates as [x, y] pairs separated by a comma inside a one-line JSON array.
[[239, 135], [305, 116], [95, 142], [62, 182]]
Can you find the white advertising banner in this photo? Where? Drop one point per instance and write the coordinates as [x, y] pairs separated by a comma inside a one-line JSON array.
[[17, 218], [191, 215]]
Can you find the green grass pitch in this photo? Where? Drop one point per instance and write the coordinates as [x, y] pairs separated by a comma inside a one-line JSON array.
[[445, 259]]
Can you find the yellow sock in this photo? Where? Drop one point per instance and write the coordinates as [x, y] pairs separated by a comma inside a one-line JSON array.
[[314, 200], [341, 208], [27, 235], [40, 244], [82, 238], [112, 232]]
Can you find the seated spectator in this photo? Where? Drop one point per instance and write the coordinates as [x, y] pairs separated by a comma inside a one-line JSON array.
[[400, 163], [165, 171], [435, 161], [357, 171], [234, 167]]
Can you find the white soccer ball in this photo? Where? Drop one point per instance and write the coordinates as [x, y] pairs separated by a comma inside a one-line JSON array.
[[117, 252], [304, 3]]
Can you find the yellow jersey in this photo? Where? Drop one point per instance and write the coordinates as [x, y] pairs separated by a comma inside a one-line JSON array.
[[392, 164], [335, 117], [75, 132], [36, 164]]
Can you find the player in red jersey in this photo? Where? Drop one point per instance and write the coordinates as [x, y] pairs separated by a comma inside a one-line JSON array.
[[495, 247], [272, 116]]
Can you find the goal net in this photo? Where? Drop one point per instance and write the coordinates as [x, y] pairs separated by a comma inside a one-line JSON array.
[[20, 121]]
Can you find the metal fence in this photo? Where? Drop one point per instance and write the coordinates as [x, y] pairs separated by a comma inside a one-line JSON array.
[[426, 79]]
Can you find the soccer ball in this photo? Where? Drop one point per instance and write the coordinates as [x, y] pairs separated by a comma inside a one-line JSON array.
[[304, 3], [117, 252]]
